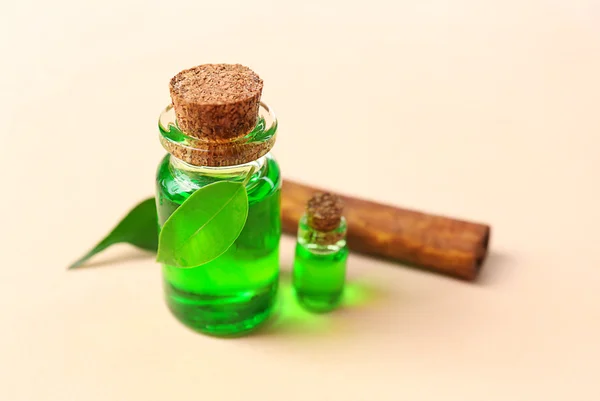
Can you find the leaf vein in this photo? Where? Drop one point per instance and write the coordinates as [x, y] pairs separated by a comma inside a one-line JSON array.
[[184, 242]]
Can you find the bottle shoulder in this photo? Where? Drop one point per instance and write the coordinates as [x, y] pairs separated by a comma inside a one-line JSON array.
[[178, 183]]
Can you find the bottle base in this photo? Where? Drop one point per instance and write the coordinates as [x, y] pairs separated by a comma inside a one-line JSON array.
[[230, 315], [319, 303]]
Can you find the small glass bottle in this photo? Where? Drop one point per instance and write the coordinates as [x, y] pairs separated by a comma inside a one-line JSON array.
[[319, 271], [235, 292]]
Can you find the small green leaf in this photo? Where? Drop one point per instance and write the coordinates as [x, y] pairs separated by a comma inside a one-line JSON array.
[[204, 226], [138, 228]]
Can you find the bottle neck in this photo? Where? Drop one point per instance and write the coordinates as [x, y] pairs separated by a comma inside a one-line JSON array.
[[321, 241], [216, 153]]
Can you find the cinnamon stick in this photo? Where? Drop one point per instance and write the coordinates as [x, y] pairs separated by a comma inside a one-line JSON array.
[[449, 246]]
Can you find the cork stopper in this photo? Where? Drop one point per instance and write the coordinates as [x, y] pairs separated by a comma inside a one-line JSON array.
[[324, 211], [216, 101], [216, 118]]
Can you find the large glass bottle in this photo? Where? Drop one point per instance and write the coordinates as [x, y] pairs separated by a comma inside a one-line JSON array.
[[235, 292]]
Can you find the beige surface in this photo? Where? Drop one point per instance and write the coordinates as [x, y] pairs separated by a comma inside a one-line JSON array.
[[477, 109]]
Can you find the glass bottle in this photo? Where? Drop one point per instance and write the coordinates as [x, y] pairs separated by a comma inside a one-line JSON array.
[[319, 271], [235, 292]]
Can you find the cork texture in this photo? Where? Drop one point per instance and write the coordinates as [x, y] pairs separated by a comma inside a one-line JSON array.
[[216, 106], [220, 155], [324, 211], [216, 101]]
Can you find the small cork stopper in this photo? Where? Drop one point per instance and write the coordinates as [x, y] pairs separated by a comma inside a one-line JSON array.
[[216, 101], [324, 211]]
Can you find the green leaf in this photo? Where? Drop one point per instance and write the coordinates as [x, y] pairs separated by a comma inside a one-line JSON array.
[[204, 226], [138, 228]]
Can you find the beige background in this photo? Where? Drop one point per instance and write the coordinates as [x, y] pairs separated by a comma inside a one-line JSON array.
[[485, 110]]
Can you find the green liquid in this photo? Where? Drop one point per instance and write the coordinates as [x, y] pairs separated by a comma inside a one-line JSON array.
[[235, 292], [319, 276]]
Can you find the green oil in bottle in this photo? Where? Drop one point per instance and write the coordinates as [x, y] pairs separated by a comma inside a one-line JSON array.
[[235, 292], [319, 272]]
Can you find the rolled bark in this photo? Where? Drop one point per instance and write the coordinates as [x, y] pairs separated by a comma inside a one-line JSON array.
[[441, 244]]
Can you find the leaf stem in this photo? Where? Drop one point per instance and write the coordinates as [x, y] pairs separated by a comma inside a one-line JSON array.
[[249, 175]]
